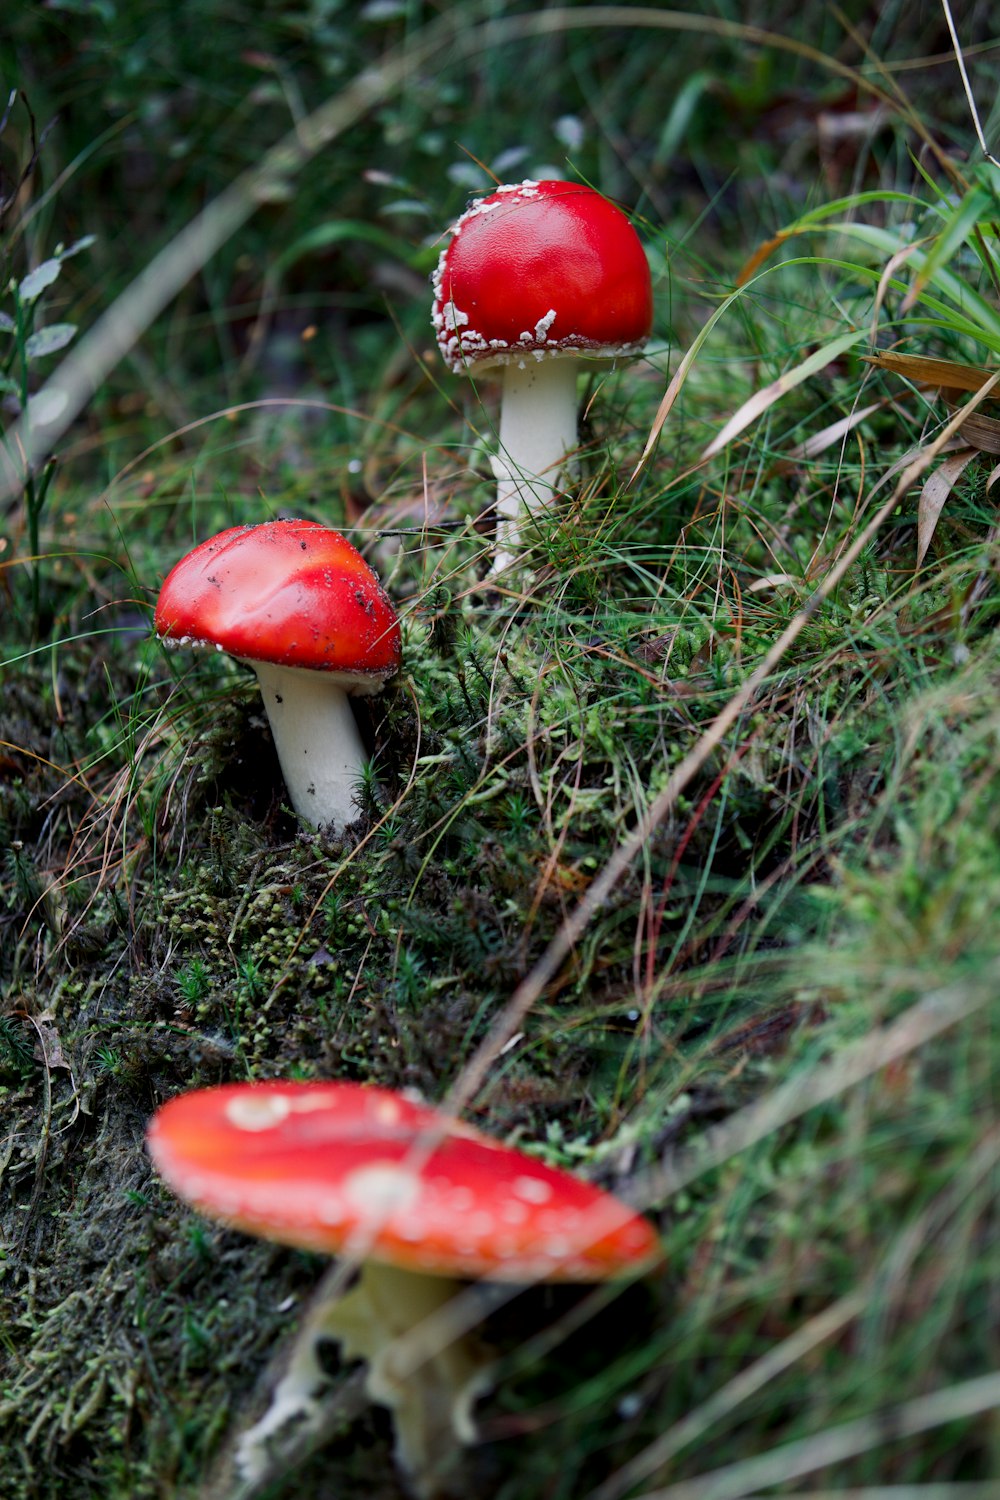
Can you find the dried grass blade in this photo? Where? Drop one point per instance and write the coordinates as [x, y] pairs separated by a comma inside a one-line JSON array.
[[968, 1398], [828, 437], [960, 59], [762, 253], [679, 377], [762, 400]]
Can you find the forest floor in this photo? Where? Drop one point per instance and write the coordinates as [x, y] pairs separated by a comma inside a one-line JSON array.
[[682, 836]]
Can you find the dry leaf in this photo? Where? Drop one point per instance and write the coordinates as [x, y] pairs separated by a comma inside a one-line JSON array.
[[48, 1048], [919, 367], [935, 492], [981, 432]]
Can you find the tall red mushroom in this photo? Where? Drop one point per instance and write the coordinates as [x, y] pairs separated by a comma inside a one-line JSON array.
[[418, 1197], [297, 603], [536, 277]]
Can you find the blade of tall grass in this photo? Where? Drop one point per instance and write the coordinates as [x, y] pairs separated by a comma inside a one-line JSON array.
[[924, 1020], [982, 320], [927, 371], [737, 1481], [959, 225], [895, 1266], [960, 1490]]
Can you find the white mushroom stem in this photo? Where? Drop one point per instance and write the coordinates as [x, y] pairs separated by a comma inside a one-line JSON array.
[[317, 739], [427, 1374], [537, 431], [396, 1320]]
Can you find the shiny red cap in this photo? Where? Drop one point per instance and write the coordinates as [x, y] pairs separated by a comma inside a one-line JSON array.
[[340, 1166], [541, 268], [295, 593]]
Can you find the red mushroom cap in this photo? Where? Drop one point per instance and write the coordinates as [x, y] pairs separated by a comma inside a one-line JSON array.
[[295, 593], [328, 1166], [546, 268]]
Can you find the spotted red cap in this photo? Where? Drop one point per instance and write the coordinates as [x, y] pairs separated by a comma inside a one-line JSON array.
[[325, 1166], [295, 593], [545, 268]]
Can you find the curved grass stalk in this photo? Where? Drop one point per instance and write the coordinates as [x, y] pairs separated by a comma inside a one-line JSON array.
[[76, 380]]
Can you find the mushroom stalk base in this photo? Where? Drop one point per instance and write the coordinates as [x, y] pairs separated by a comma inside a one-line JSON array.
[[317, 739], [537, 431], [396, 1321]]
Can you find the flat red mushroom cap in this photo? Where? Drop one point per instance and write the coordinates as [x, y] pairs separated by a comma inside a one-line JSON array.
[[342, 1167], [295, 593], [541, 268]]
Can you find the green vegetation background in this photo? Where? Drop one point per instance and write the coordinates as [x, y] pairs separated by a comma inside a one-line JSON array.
[[774, 1033]]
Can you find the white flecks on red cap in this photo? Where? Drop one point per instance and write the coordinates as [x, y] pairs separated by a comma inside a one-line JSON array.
[[531, 252], [333, 1166]]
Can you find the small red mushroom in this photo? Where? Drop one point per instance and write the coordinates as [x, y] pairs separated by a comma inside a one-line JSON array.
[[297, 603], [417, 1196], [537, 276]]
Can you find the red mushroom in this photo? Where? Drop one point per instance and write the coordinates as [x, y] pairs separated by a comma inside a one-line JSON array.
[[422, 1200], [297, 603], [537, 276]]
